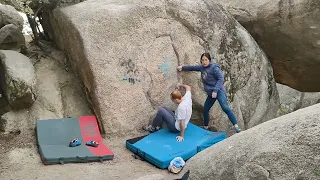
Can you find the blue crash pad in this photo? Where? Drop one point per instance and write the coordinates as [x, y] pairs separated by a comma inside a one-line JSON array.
[[161, 147]]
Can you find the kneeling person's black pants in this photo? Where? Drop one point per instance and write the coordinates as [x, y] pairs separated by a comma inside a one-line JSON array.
[[165, 115]]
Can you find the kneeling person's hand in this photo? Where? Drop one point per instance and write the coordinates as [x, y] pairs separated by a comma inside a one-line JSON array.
[[179, 138]]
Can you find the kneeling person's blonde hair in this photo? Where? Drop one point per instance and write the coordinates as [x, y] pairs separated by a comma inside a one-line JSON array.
[[176, 95]]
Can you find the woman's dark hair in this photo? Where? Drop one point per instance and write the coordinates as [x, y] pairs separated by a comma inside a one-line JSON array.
[[206, 55]]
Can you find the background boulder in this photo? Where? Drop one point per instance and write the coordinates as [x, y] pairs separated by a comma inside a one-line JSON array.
[[59, 95], [18, 79], [288, 31], [9, 15], [292, 100], [11, 38], [11, 25]]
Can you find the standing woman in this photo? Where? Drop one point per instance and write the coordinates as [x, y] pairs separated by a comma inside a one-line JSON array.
[[212, 79]]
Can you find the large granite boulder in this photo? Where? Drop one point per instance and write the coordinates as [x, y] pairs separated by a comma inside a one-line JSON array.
[[288, 31], [9, 15], [126, 54], [284, 148], [18, 79]]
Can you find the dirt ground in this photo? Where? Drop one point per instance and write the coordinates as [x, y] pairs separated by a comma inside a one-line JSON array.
[[20, 160]]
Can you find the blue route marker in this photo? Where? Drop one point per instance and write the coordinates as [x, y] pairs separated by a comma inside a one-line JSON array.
[[164, 67]]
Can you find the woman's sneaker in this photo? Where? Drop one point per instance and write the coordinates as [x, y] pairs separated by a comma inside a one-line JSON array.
[[237, 129]]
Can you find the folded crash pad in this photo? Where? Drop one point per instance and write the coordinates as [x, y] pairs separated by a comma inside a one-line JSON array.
[[54, 135], [161, 147]]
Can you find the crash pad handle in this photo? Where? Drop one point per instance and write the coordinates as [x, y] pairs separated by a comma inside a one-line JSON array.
[[198, 149], [61, 160], [101, 158], [141, 153], [85, 159]]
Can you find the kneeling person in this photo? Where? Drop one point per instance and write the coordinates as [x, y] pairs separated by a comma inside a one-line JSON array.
[[176, 121]]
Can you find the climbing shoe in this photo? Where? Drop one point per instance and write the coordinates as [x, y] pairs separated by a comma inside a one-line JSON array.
[[149, 128], [74, 143], [92, 143]]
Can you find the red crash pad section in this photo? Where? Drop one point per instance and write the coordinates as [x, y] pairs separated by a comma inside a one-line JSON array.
[[90, 132]]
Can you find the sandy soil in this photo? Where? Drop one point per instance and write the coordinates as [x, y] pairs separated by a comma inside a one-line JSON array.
[[20, 160]]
